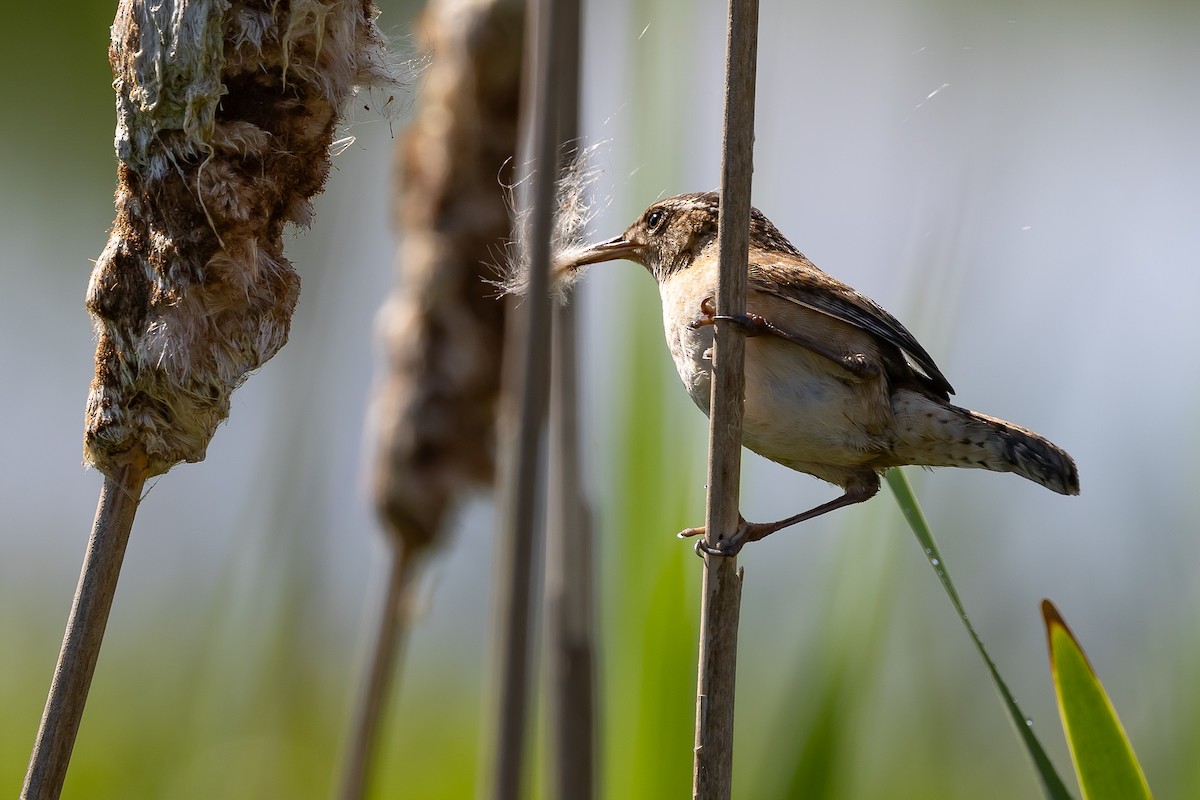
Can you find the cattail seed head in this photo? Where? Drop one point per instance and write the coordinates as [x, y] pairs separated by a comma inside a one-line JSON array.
[[442, 331], [225, 115]]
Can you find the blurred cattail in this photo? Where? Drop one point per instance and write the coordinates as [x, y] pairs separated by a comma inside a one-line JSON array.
[[225, 116], [442, 329]]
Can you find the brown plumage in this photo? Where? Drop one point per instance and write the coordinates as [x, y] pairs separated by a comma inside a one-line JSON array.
[[835, 386]]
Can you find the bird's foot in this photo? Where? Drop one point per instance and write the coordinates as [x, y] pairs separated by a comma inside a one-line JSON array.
[[726, 546], [861, 487], [751, 324]]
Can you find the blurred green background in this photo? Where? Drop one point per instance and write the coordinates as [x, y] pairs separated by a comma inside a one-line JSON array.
[[1019, 182]]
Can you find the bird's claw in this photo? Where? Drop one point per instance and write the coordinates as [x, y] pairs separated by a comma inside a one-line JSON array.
[[725, 547], [751, 324]]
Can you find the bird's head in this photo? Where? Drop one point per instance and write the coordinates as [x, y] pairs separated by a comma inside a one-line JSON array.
[[672, 233]]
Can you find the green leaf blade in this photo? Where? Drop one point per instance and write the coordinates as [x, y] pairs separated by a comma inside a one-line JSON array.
[[1103, 757], [1052, 785]]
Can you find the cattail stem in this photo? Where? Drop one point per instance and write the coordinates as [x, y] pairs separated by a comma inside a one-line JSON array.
[[85, 631], [570, 578], [570, 583], [523, 410], [712, 777], [391, 635]]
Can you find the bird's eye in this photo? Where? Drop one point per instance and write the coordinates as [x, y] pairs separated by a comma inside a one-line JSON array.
[[654, 218]]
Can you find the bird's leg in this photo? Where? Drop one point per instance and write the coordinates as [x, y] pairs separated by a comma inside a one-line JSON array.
[[757, 325], [858, 490]]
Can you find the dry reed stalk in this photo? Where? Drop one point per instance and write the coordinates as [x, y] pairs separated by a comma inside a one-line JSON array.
[[225, 116], [85, 631], [435, 410], [712, 777], [570, 582], [522, 413], [569, 552], [570, 568]]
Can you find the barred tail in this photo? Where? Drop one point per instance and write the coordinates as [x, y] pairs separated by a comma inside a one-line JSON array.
[[937, 434]]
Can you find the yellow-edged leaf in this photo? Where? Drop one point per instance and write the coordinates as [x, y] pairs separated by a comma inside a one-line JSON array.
[[1103, 757]]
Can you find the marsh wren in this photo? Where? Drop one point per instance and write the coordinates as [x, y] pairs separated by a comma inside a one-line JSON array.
[[836, 387]]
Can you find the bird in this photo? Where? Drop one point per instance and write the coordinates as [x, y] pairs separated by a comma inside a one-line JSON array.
[[835, 386]]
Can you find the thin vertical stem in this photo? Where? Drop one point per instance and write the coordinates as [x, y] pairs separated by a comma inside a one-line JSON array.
[[386, 658], [570, 582], [522, 415], [713, 765], [85, 631]]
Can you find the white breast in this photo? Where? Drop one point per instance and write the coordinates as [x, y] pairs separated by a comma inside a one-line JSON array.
[[691, 348]]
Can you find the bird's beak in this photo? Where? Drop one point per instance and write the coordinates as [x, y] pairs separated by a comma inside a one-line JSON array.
[[615, 248]]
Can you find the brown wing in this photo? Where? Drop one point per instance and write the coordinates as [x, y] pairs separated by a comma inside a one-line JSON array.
[[799, 281]]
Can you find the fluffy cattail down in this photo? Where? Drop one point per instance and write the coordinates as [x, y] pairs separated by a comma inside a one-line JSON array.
[[225, 115], [573, 210]]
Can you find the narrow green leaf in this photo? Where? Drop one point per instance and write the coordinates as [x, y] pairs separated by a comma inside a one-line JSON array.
[[1104, 760], [1052, 785]]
